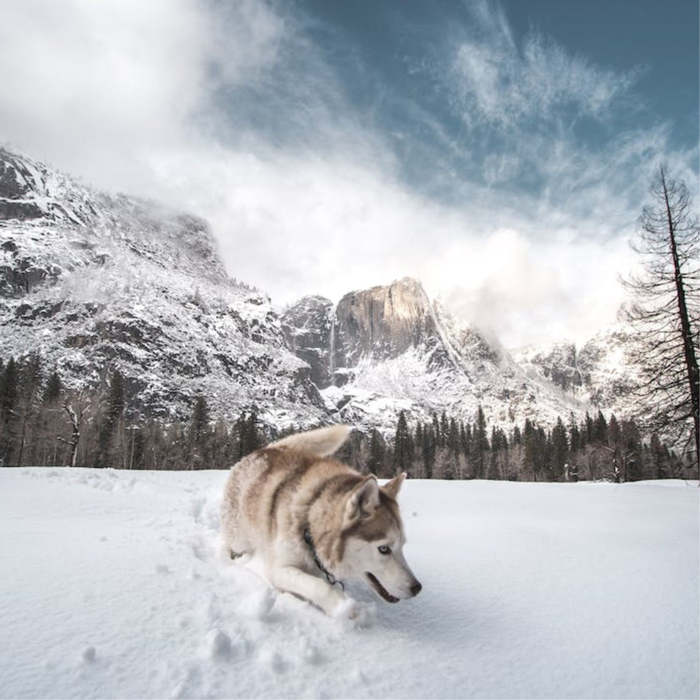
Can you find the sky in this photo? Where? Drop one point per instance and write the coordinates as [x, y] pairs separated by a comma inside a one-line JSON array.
[[500, 152]]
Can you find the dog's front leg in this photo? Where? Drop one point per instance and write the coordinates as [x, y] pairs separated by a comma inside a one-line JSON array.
[[311, 588]]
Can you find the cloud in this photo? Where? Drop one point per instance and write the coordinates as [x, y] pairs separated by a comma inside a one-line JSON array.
[[99, 87], [233, 111], [497, 82]]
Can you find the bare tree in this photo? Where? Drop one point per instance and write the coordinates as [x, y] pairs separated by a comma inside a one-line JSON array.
[[664, 310], [76, 419]]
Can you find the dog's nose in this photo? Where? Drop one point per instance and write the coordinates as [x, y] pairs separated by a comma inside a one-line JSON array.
[[416, 588]]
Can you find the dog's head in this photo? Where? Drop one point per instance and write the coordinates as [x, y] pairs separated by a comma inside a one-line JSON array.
[[374, 540]]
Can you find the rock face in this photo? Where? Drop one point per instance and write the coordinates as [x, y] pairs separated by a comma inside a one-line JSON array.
[[382, 322], [95, 282], [307, 326], [558, 363], [602, 373], [390, 348]]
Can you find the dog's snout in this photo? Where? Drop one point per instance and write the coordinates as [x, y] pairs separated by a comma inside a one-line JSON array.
[[416, 588]]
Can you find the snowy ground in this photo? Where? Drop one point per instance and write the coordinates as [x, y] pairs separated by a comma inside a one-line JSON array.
[[110, 587]]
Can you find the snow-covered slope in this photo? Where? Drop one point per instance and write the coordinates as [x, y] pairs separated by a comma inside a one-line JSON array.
[[96, 282], [602, 372], [387, 349], [111, 587]]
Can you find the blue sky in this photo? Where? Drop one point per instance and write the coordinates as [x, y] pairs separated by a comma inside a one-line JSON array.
[[500, 152]]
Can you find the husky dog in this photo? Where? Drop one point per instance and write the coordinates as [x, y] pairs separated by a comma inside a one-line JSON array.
[[315, 521]]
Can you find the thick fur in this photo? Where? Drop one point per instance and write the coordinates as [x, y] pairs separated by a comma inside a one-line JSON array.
[[273, 495]]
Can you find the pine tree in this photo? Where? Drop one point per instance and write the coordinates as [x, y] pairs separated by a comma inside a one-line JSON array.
[[30, 393], [402, 445], [249, 436], [9, 393], [452, 447], [659, 461], [574, 434], [54, 387], [560, 450], [109, 452], [377, 451], [428, 451], [444, 430], [418, 449], [600, 430], [199, 433], [479, 445], [613, 431]]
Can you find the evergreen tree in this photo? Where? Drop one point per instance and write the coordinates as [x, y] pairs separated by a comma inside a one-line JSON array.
[[377, 453], [418, 450], [29, 398], [517, 436], [444, 430], [9, 393], [110, 453], [452, 445], [199, 433], [54, 387], [402, 445], [574, 435], [614, 436], [480, 445], [428, 451], [252, 436], [530, 448], [560, 450], [588, 429], [659, 461], [600, 430]]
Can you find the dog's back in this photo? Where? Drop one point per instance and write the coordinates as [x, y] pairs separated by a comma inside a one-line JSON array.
[[266, 491]]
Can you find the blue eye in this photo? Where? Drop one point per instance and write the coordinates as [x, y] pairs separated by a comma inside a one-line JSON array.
[[384, 549]]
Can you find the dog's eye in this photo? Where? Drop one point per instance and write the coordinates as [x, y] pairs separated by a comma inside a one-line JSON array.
[[384, 549]]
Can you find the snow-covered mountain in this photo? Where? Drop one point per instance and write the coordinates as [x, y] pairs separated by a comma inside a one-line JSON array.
[[602, 372], [94, 282], [391, 348]]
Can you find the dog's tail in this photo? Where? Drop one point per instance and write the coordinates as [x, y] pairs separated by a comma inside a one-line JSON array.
[[320, 442]]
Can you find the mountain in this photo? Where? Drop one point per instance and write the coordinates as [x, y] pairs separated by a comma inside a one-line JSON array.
[[94, 282], [390, 348], [602, 372]]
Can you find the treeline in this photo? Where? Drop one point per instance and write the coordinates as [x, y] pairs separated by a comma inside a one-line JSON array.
[[593, 449], [42, 423]]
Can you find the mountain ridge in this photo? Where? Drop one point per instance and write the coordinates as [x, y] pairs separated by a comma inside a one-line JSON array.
[[94, 281]]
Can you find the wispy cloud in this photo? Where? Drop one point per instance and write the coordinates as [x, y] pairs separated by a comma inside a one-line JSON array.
[[500, 82], [232, 110]]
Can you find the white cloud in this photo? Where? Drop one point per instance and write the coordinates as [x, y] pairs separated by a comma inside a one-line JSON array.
[[99, 87], [146, 97], [497, 82]]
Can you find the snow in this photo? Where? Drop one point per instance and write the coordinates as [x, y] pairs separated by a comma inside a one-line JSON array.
[[112, 587]]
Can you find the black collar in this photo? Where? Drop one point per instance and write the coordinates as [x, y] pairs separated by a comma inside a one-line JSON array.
[[329, 576]]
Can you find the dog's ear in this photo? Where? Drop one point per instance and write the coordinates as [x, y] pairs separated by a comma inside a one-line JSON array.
[[362, 501], [392, 488]]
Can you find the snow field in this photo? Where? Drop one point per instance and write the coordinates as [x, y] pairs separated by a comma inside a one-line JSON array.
[[111, 585]]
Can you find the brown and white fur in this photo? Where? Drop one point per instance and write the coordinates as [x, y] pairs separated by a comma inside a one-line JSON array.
[[274, 495]]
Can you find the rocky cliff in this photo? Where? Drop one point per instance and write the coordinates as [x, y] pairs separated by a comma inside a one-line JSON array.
[[390, 348], [95, 282]]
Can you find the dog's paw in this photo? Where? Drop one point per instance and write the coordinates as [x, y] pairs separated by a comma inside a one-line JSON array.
[[355, 614]]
